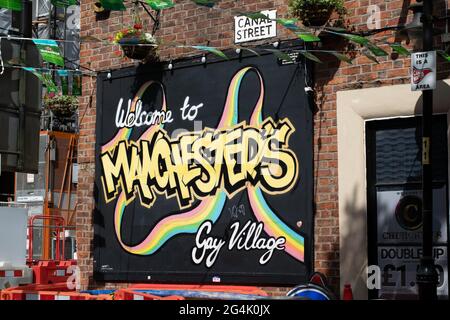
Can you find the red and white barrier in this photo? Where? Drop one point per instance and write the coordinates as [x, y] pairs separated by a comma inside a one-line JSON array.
[[46, 272], [12, 276]]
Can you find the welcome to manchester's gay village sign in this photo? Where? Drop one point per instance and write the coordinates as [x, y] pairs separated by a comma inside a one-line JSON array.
[[204, 174]]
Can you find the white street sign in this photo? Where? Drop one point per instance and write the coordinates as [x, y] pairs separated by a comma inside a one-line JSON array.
[[247, 29], [423, 71]]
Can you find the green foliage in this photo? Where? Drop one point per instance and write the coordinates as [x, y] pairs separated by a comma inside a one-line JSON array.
[[310, 11], [61, 105]]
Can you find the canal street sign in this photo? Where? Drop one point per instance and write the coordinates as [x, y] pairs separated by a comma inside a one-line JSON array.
[[423, 71], [248, 29]]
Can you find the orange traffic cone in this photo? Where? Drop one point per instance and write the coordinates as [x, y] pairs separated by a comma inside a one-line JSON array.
[[348, 293]]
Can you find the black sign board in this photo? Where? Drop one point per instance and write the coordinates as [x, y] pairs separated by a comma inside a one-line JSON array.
[[204, 174]]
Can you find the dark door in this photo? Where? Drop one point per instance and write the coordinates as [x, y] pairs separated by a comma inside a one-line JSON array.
[[395, 203]]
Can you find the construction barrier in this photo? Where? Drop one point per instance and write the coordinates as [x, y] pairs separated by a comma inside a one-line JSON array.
[[207, 288], [57, 291], [46, 272], [12, 276], [130, 294], [206, 292]]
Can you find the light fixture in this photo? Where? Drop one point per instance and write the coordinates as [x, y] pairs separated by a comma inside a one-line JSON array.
[[108, 76], [170, 66], [414, 29], [203, 59], [276, 44], [238, 50]]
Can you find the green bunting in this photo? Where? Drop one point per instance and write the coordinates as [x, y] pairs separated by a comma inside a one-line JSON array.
[[46, 79], [160, 4], [76, 83], [310, 56], [281, 55], [49, 51], [308, 37], [213, 50], [206, 3], [15, 5], [398, 48], [63, 3], [64, 81], [113, 5], [341, 57]]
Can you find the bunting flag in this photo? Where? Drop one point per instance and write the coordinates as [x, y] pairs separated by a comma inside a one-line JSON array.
[[212, 50], [113, 5], [398, 48], [206, 3], [49, 51], [45, 77], [76, 83], [64, 81], [63, 3], [160, 4], [15, 5]]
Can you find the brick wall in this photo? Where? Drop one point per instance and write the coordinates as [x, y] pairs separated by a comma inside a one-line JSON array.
[[191, 24]]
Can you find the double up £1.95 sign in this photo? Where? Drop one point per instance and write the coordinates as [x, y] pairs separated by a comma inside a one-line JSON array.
[[204, 174]]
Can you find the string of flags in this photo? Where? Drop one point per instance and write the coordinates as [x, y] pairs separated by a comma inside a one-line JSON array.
[[50, 51], [64, 77]]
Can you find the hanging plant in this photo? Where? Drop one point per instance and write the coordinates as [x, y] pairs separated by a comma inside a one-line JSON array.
[[135, 43], [317, 12], [61, 106]]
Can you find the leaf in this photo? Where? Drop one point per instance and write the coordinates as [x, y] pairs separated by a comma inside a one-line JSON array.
[[310, 56], [400, 49], [371, 57], [248, 49], [341, 57], [308, 37], [212, 50], [281, 55]]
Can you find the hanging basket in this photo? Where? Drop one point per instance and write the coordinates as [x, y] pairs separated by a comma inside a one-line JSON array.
[[62, 111], [316, 15], [132, 49]]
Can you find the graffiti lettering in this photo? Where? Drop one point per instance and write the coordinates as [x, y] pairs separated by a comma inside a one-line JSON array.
[[247, 238], [129, 119], [196, 164], [189, 112]]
